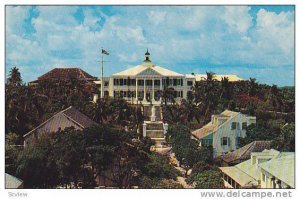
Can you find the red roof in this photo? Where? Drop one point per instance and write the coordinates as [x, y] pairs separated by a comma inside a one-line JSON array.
[[67, 73]]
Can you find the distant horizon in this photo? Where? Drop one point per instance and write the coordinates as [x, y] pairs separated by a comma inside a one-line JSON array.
[[247, 41]]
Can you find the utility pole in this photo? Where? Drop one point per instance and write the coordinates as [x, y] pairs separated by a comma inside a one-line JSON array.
[[102, 78], [102, 72]]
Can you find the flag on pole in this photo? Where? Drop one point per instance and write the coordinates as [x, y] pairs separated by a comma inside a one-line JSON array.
[[105, 52]]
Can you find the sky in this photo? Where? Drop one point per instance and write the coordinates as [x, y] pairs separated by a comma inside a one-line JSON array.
[[248, 41]]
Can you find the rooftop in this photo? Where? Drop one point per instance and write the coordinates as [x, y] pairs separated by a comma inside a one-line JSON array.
[[210, 127], [12, 182], [74, 115], [279, 164], [67, 73], [78, 117], [239, 176], [199, 77], [282, 167], [148, 68], [244, 152]]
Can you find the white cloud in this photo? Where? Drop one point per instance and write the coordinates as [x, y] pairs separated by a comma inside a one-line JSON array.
[[237, 17], [15, 17], [275, 30], [205, 34], [156, 17]]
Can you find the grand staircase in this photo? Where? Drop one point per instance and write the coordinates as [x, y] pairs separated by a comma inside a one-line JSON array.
[[154, 126]]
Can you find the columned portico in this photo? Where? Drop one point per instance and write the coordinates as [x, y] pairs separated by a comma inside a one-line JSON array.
[[143, 82]]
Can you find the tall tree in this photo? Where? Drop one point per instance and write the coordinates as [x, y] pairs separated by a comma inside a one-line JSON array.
[[14, 78]]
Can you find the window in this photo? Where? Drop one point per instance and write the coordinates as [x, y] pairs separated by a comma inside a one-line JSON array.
[[167, 82], [233, 125], [224, 141], [121, 82], [141, 82], [206, 142], [264, 177], [116, 82], [174, 82], [244, 125], [149, 82], [190, 83], [156, 82], [133, 82]]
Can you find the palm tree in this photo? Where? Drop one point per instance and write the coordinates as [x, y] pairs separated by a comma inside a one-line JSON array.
[[101, 111], [189, 110], [253, 86], [275, 98], [120, 111], [168, 95], [226, 93], [197, 90], [225, 89], [14, 77], [210, 94]]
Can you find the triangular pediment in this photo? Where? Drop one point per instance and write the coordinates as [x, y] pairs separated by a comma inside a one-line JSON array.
[[149, 72]]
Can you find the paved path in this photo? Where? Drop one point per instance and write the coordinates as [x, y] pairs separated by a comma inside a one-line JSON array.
[[182, 181]]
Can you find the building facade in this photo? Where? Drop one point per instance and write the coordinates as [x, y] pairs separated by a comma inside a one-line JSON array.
[[224, 131], [144, 83]]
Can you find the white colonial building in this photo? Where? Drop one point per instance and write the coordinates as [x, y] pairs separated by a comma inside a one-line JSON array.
[[144, 82], [224, 131]]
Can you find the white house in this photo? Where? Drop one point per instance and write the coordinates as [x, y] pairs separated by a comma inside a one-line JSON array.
[[266, 169], [223, 131]]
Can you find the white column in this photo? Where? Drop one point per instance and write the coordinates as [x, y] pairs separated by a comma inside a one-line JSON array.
[[136, 90], [152, 90], [144, 90], [184, 83], [160, 88], [144, 130], [160, 84], [95, 98]]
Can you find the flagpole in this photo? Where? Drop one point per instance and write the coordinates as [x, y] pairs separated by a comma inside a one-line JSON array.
[[102, 79]]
